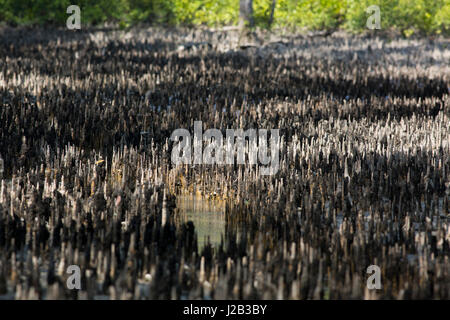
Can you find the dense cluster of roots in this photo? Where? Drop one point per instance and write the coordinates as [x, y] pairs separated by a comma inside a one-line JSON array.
[[87, 177]]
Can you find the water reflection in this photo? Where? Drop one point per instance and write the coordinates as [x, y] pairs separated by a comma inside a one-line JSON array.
[[208, 217]]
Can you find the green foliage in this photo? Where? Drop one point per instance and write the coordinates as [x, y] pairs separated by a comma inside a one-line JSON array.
[[100, 11], [207, 12], [261, 12], [311, 14], [441, 22], [54, 11], [33, 11], [152, 11], [408, 16]]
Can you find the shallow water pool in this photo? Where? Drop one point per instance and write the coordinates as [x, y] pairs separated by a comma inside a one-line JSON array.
[[208, 217]]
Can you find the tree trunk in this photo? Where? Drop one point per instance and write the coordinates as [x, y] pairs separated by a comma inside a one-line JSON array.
[[246, 13], [272, 11]]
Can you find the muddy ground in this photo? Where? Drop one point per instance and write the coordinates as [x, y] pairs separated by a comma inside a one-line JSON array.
[[87, 177]]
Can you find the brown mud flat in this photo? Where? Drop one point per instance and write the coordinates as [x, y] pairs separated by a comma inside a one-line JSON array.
[[87, 179]]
